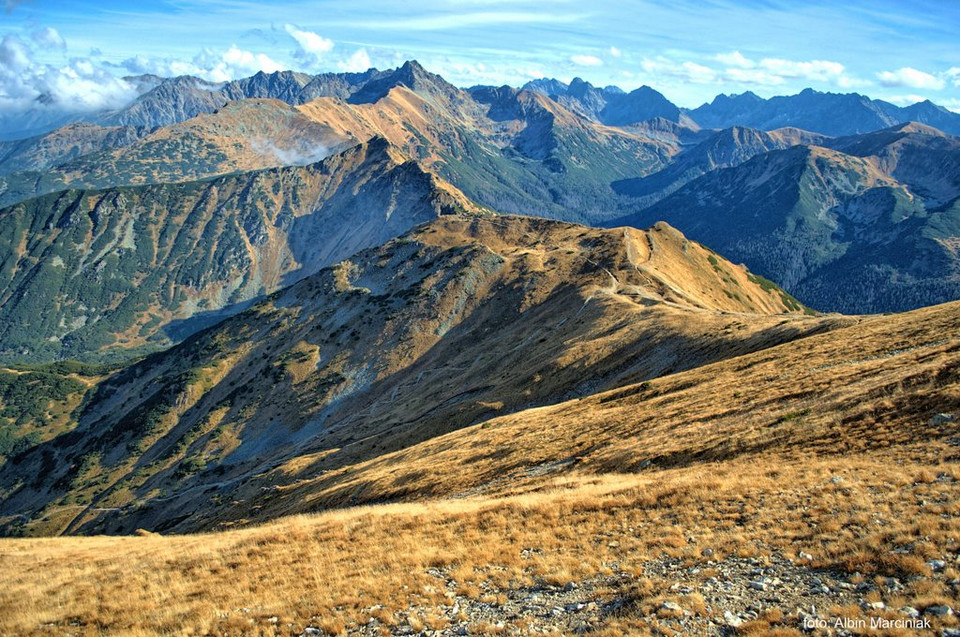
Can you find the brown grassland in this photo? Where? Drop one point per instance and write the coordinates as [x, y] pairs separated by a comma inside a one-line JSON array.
[[829, 445]]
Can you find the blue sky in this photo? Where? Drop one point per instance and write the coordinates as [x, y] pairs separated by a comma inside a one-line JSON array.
[[690, 51]]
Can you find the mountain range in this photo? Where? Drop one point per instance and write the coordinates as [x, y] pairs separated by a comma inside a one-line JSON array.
[[827, 113], [860, 222], [369, 353], [867, 223], [340, 237]]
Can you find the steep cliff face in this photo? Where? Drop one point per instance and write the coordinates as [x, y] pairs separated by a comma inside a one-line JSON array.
[[88, 270]]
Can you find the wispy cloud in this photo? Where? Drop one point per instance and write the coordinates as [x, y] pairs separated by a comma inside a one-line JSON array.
[[586, 60], [48, 36], [474, 19], [912, 78], [358, 62], [662, 67]]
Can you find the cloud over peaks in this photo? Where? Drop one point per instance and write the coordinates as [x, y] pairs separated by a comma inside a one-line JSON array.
[[358, 62], [586, 60], [310, 43], [911, 77]]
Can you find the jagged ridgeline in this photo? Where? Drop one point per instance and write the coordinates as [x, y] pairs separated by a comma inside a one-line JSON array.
[[149, 233], [101, 274]]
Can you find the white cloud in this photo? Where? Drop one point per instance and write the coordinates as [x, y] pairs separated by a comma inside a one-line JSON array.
[[356, 63], [753, 76], [904, 100], [49, 37], [777, 71], [815, 70], [586, 60], [164, 67], [910, 77], [236, 62], [215, 66], [698, 73], [465, 73], [952, 104], [76, 87], [615, 52], [311, 43], [14, 54], [734, 59], [661, 67], [953, 74]]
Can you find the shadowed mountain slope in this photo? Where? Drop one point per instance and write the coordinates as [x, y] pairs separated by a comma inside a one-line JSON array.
[[121, 264], [869, 233], [461, 320]]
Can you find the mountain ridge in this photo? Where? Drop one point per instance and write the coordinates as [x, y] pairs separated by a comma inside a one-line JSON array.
[[399, 343], [123, 267], [164, 101]]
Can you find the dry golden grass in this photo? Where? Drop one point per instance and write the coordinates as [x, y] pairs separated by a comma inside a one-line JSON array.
[[872, 386], [826, 446], [330, 569]]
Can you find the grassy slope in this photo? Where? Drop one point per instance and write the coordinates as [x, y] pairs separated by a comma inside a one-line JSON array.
[[38, 403], [824, 446], [242, 136], [460, 320]]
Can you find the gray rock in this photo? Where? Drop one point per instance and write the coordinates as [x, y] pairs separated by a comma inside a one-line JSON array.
[[937, 565], [941, 609], [873, 605], [731, 620], [758, 585], [910, 611], [942, 419], [671, 606]]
